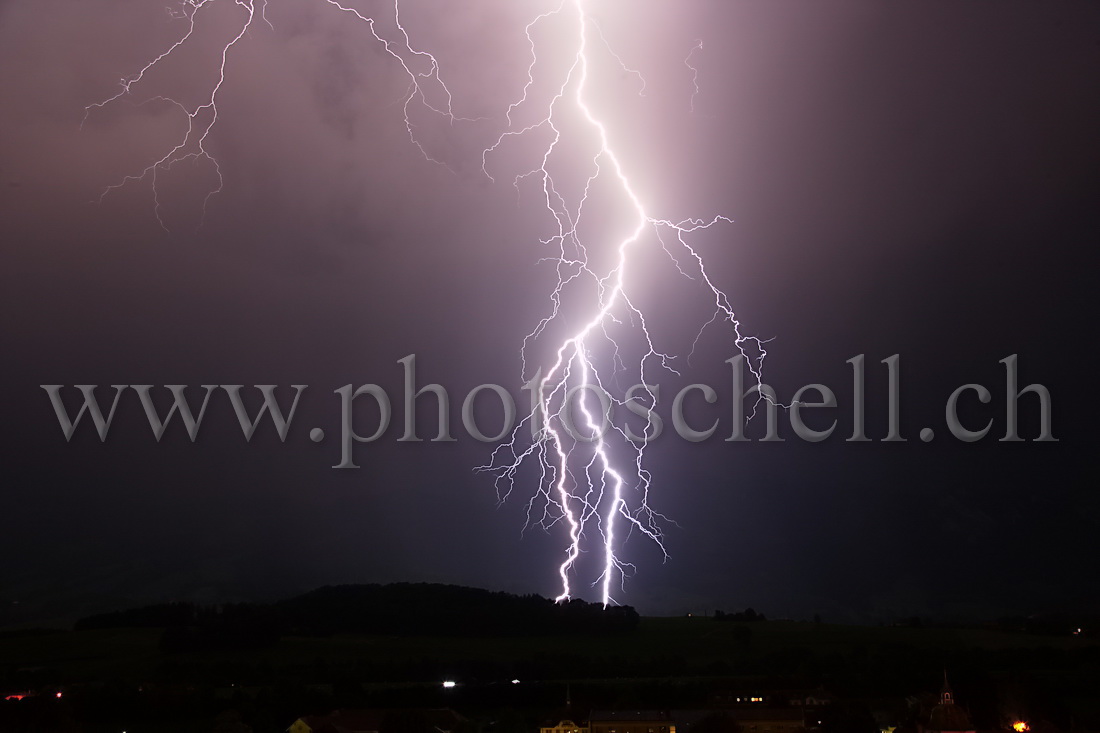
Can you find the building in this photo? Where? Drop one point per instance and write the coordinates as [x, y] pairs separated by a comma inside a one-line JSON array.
[[339, 721], [565, 726], [810, 698], [753, 718], [440, 720], [631, 721], [947, 717], [769, 720], [735, 698]]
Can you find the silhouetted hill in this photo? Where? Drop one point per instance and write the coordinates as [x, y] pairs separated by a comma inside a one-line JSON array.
[[156, 616], [446, 610], [401, 609]]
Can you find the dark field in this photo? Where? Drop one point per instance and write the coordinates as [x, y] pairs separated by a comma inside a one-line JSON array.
[[123, 677], [660, 648]]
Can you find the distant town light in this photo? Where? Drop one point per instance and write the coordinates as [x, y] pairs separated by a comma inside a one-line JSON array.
[[1021, 726], [449, 684], [515, 682]]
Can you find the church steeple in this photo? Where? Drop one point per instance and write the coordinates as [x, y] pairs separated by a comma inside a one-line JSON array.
[[946, 698], [947, 717]]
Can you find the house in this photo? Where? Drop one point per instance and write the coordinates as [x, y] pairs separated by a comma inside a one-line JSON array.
[[752, 718], [631, 721], [440, 720], [339, 721], [769, 720], [565, 726]]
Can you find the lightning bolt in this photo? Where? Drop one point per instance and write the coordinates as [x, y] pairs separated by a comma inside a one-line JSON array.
[[694, 72], [591, 477], [586, 489]]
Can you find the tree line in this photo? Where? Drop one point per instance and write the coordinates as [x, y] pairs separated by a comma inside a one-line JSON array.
[[401, 609]]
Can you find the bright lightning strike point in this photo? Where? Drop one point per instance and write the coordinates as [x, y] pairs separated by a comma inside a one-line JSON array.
[[611, 495], [598, 489]]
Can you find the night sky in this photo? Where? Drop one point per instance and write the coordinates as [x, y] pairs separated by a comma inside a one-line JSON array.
[[915, 178]]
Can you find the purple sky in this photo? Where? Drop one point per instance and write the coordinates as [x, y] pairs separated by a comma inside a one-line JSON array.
[[913, 177]]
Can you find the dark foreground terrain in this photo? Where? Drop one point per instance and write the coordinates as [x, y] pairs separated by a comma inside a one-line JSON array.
[[518, 663]]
